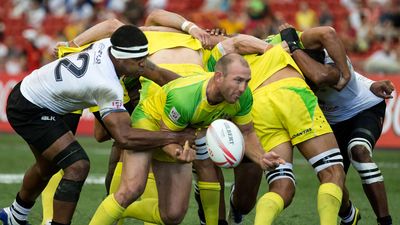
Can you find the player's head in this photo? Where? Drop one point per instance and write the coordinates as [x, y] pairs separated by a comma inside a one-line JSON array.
[[129, 48], [232, 75]]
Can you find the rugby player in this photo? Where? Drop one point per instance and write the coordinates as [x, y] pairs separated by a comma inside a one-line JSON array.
[[36, 105]]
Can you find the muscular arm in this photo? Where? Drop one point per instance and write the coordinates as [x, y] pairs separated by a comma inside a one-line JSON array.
[[255, 151], [157, 74], [183, 154], [98, 31], [164, 18], [321, 75], [119, 125], [244, 44], [326, 37], [169, 19]]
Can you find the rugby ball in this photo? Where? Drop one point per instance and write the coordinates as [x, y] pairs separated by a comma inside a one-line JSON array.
[[225, 144]]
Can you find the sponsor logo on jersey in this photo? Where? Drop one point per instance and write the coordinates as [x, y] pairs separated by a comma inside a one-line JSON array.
[[48, 118], [117, 104], [174, 115]]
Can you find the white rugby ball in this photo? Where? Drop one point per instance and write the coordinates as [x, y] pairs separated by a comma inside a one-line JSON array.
[[225, 143]]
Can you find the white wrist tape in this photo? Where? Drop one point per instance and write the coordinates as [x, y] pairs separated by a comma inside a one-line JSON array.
[[185, 25]]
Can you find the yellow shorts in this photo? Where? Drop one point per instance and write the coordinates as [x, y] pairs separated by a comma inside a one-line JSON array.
[[287, 110], [147, 123]]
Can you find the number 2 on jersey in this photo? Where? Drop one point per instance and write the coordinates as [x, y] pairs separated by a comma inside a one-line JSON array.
[[78, 72]]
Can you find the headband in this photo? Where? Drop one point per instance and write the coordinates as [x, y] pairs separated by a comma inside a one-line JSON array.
[[129, 52]]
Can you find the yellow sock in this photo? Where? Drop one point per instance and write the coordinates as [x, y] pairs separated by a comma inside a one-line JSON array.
[[150, 191], [329, 200], [48, 195], [108, 212], [116, 179], [146, 210], [209, 195], [269, 206]]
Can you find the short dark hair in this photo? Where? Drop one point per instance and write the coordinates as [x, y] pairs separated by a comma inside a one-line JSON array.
[[223, 63], [128, 36]]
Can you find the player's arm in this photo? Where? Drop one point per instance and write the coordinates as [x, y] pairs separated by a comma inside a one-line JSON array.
[[119, 125], [100, 134], [322, 75], [326, 37], [381, 88], [244, 44], [165, 18], [254, 150], [182, 153], [157, 74], [99, 31]]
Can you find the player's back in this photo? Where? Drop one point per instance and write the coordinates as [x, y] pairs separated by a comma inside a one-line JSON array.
[[74, 82]]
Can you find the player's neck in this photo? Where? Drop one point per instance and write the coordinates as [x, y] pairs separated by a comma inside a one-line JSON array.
[[212, 93]]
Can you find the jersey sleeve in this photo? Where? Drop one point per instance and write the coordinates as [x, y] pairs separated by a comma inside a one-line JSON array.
[[110, 100], [246, 102]]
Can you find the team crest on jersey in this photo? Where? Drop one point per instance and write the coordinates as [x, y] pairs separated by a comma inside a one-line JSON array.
[[117, 104], [174, 115]]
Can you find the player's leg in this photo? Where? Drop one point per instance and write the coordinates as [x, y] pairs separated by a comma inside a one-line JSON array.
[[281, 183], [133, 182], [243, 195], [208, 188], [349, 214], [174, 182], [72, 121], [113, 175], [48, 195], [365, 131], [52, 144], [324, 155], [207, 183]]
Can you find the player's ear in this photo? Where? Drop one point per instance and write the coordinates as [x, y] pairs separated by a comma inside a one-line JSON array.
[[218, 75]]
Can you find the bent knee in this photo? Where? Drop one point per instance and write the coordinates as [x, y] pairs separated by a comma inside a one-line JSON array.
[[284, 188], [78, 170], [174, 215]]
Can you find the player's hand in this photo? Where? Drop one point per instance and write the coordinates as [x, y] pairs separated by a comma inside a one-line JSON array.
[[284, 26], [59, 44], [188, 134], [216, 32], [270, 161], [186, 154], [285, 46], [200, 34], [341, 83], [382, 88]]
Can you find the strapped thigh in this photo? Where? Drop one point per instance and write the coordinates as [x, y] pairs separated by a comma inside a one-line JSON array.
[[326, 159]]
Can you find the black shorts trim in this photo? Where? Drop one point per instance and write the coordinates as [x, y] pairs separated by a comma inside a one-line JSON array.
[[39, 127]]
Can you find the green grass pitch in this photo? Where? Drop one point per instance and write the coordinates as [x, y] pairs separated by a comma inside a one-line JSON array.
[[15, 158]]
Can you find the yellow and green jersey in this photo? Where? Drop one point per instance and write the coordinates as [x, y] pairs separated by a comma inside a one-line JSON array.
[[183, 102]]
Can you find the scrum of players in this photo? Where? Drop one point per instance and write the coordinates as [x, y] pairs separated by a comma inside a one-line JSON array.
[[292, 89]]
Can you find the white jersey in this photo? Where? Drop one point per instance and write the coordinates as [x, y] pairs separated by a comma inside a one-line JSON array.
[[77, 81], [355, 97]]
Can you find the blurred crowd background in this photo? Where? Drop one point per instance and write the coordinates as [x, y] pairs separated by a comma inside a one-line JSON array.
[[370, 29]]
